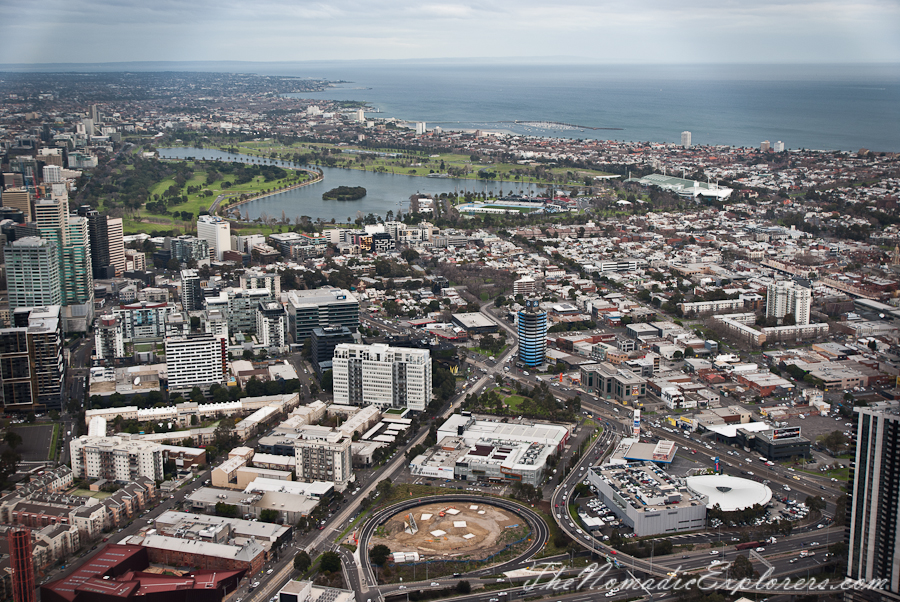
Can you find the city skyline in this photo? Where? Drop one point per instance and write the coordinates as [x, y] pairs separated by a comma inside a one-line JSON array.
[[803, 32]]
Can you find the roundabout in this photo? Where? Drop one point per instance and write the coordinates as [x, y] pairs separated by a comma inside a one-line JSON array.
[[470, 525]]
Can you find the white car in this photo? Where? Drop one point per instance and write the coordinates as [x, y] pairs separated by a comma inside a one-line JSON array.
[[611, 593], [714, 552]]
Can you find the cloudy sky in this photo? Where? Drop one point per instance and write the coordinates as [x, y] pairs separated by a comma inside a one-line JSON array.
[[643, 31]]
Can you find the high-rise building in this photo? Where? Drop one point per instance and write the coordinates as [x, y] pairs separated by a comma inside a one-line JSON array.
[[321, 307], [764, 146], [191, 294], [779, 147], [524, 286], [215, 323], [19, 198], [109, 342], [532, 327], [240, 307], [420, 128], [873, 507], [22, 564], [686, 139], [32, 272], [383, 376], [31, 360], [98, 235], [70, 233], [787, 297], [186, 248], [198, 360], [322, 454], [52, 174], [255, 279], [324, 340], [272, 324], [217, 232], [115, 235]]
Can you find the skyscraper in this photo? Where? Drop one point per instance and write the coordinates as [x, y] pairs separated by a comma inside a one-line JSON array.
[[198, 360], [191, 295], [217, 232], [686, 139], [532, 326], [874, 504], [98, 234], [787, 297], [22, 565], [32, 272], [115, 235], [70, 233]]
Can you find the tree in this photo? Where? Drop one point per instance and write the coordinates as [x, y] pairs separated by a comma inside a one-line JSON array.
[[835, 441], [269, 515], [12, 439], [197, 395], [463, 587], [741, 568], [9, 462], [327, 380], [379, 554], [302, 561], [226, 510], [330, 562], [815, 503]]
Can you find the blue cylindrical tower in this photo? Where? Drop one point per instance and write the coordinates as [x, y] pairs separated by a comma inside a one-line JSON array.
[[532, 333]]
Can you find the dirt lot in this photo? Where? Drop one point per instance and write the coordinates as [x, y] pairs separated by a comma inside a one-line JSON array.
[[491, 530]]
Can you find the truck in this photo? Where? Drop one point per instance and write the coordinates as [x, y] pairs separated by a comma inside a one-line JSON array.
[[747, 545]]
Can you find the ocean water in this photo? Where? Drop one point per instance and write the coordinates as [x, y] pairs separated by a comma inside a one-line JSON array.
[[840, 107]]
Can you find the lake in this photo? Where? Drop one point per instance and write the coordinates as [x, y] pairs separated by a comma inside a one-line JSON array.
[[384, 192]]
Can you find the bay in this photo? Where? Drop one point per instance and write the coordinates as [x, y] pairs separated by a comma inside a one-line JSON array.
[[384, 192], [823, 107]]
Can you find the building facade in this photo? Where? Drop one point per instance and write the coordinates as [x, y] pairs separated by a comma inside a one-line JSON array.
[[387, 377], [198, 360], [323, 455], [32, 272], [31, 360], [319, 308], [532, 328], [115, 459], [272, 324], [786, 297], [874, 504], [217, 232]]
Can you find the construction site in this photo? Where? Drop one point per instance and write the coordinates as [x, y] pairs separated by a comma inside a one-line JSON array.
[[469, 531]]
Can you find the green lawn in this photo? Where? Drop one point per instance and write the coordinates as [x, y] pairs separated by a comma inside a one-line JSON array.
[[197, 202], [100, 495]]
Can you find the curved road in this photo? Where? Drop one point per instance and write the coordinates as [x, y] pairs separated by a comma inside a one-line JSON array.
[[540, 530]]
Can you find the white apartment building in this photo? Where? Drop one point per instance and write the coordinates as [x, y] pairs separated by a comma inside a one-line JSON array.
[[115, 239], [382, 376], [217, 232], [214, 322], [686, 139], [322, 454], [144, 321], [272, 324], [524, 286], [108, 340], [195, 361], [787, 297], [255, 279], [115, 459]]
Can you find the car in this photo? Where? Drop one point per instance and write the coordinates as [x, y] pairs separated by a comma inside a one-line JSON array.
[[793, 560], [500, 579], [402, 587], [760, 549], [715, 562], [815, 543], [435, 584], [714, 552], [494, 600]]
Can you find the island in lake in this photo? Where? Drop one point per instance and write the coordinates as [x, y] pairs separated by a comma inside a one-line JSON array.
[[345, 193]]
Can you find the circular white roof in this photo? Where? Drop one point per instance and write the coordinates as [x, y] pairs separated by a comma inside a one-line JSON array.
[[730, 493]]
